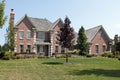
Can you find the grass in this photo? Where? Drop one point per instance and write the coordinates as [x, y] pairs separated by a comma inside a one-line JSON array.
[[79, 68]]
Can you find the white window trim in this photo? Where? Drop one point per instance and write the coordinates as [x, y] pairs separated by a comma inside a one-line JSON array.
[[105, 47], [39, 36], [95, 48], [56, 35], [20, 48], [27, 34], [19, 34]]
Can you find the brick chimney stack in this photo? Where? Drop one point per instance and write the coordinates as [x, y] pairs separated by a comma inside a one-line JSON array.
[[12, 15], [116, 39]]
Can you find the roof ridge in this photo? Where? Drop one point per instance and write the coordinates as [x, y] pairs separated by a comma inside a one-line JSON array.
[[39, 18], [94, 27]]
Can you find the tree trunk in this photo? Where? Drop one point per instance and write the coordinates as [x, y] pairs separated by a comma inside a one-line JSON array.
[[66, 57]]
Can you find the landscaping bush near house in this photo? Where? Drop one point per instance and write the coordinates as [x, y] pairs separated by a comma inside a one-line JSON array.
[[108, 54], [74, 51], [1, 55], [64, 55], [119, 57], [89, 55], [24, 56], [26, 53], [9, 55]]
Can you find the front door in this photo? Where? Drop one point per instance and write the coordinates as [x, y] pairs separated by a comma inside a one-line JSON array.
[[46, 50], [40, 49]]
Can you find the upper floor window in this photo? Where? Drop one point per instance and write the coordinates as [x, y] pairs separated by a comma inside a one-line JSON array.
[[41, 35], [28, 34], [21, 36], [56, 36]]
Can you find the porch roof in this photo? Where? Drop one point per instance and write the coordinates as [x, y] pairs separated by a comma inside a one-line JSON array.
[[42, 43]]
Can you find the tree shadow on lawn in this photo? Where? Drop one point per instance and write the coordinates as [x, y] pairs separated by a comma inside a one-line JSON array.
[[53, 63], [97, 72]]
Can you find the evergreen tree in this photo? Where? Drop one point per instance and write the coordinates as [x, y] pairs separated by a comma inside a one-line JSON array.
[[117, 48], [10, 35], [5, 47], [66, 35], [82, 41], [2, 17]]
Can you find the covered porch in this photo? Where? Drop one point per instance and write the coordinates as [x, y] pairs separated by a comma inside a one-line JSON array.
[[43, 48]]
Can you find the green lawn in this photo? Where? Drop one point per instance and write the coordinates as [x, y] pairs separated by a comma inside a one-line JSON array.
[[79, 68]]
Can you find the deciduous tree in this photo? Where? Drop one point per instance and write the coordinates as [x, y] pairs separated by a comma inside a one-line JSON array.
[[3, 18], [66, 35]]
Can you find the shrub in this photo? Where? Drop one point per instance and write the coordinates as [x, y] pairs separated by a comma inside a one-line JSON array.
[[18, 57], [107, 54], [1, 54], [119, 58], [64, 55], [9, 55], [74, 51], [88, 55]]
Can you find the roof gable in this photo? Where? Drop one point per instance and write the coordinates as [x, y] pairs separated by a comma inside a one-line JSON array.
[[56, 22], [25, 16], [91, 33], [40, 24]]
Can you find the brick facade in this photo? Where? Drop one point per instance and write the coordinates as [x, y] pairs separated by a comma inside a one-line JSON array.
[[48, 46], [102, 42], [98, 40]]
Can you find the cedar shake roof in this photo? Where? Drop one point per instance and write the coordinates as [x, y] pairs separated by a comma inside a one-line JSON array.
[[90, 33]]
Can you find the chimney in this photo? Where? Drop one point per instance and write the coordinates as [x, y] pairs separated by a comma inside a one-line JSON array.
[[12, 15], [116, 39]]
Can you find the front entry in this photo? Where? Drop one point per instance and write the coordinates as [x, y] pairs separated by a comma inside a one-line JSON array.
[[42, 50]]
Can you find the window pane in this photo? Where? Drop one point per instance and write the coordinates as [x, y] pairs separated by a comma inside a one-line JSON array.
[[97, 49], [21, 34], [29, 48], [41, 48], [104, 49], [21, 48], [56, 49], [29, 35], [41, 35], [62, 49]]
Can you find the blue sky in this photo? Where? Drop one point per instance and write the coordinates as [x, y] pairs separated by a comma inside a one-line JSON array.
[[87, 13]]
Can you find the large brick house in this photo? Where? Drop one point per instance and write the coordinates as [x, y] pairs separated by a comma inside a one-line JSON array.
[[98, 40], [37, 35]]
